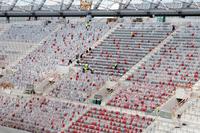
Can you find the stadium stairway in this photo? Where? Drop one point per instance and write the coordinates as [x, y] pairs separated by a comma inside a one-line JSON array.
[[123, 80], [170, 36], [64, 71], [125, 46], [159, 125]]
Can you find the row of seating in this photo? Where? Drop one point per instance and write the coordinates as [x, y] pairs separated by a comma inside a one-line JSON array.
[[13, 51], [28, 33], [102, 120], [61, 48], [176, 63], [78, 87], [37, 114], [141, 96], [126, 46]]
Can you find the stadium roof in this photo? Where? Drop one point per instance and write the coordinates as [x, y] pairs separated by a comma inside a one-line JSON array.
[[65, 8]]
